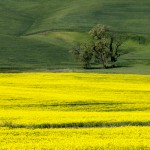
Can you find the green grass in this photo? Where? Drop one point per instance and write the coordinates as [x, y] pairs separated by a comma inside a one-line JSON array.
[[23, 54], [123, 15], [37, 35]]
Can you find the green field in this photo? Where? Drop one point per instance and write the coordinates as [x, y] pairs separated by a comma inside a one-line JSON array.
[[37, 35], [74, 111]]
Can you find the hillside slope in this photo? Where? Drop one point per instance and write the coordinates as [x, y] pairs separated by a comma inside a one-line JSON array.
[[37, 34]]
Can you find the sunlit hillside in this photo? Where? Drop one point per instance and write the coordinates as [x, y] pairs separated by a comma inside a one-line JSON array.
[[37, 35]]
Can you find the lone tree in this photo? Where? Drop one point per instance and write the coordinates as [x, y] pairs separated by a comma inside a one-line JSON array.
[[104, 47], [83, 52]]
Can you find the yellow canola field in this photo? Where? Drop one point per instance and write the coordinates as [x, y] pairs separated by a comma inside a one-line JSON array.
[[74, 111], [33, 118], [52, 89], [123, 138]]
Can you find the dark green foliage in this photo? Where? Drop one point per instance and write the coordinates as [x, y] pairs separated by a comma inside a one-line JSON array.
[[104, 47], [83, 53], [100, 43], [77, 125]]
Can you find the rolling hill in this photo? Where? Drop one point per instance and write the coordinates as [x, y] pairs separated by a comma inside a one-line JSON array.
[[37, 35]]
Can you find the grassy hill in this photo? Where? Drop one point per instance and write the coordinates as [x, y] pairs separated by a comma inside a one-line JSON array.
[[37, 35]]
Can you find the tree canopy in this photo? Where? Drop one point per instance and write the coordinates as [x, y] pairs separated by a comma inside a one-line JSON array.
[[102, 49]]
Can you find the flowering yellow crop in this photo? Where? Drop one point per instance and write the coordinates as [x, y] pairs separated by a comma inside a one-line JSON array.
[[109, 111], [43, 90], [130, 138]]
